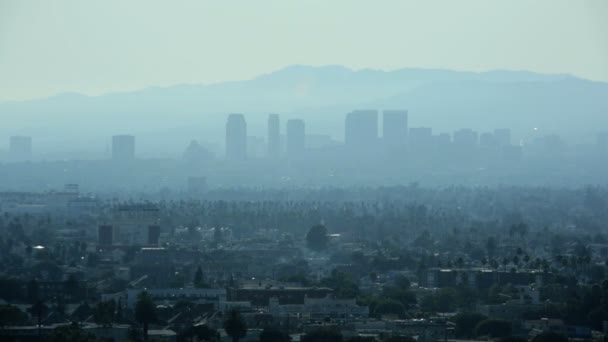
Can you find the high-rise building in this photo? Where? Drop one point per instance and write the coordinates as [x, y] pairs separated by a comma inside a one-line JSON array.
[[503, 136], [105, 235], [20, 148], [394, 128], [123, 148], [361, 129], [131, 223], [274, 136], [236, 137], [153, 234], [296, 138]]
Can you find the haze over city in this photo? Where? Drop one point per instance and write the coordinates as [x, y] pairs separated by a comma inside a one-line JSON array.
[[314, 171]]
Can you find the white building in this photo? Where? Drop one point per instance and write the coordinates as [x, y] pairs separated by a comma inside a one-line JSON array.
[[320, 307]]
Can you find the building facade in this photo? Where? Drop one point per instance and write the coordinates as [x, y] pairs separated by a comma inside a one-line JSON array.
[[236, 137]]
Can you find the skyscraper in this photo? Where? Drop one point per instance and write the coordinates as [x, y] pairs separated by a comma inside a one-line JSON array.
[[394, 128], [123, 148], [105, 235], [296, 138], [236, 137], [361, 129], [20, 148], [274, 136]]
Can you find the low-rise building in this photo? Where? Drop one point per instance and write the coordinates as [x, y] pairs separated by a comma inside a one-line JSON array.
[[329, 306]]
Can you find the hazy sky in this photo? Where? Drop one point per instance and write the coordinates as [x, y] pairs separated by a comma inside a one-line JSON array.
[[93, 47]]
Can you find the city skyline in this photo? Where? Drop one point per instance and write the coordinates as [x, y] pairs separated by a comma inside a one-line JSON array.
[[366, 131], [166, 119], [275, 171]]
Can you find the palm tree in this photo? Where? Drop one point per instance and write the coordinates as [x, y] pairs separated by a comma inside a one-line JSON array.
[[201, 333], [145, 312], [38, 310], [235, 326]]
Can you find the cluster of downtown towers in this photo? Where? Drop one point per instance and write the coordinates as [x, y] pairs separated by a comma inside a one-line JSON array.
[[361, 135], [361, 139]]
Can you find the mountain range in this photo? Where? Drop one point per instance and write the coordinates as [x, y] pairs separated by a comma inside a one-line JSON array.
[[165, 119]]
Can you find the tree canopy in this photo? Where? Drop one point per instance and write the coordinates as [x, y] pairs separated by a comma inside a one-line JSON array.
[[235, 325], [316, 238]]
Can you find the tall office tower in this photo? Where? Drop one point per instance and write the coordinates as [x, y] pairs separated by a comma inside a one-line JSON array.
[[503, 136], [420, 139], [236, 137], [296, 138], [274, 136], [123, 148], [466, 139], [105, 235], [361, 129], [153, 234], [20, 148], [394, 128], [131, 223]]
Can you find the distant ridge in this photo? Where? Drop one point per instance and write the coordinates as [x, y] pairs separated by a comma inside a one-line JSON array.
[[168, 117]]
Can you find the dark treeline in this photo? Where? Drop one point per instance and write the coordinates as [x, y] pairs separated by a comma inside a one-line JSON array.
[[383, 247], [396, 209]]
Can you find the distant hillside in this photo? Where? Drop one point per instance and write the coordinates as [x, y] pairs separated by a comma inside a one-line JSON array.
[[166, 119]]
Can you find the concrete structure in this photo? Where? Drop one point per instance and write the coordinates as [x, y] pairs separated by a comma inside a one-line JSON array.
[[214, 296], [296, 138], [328, 306], [480, 278], [236, 137], [105, 235], [153, 235], [274, 136], [260, 296], [131, 223]]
